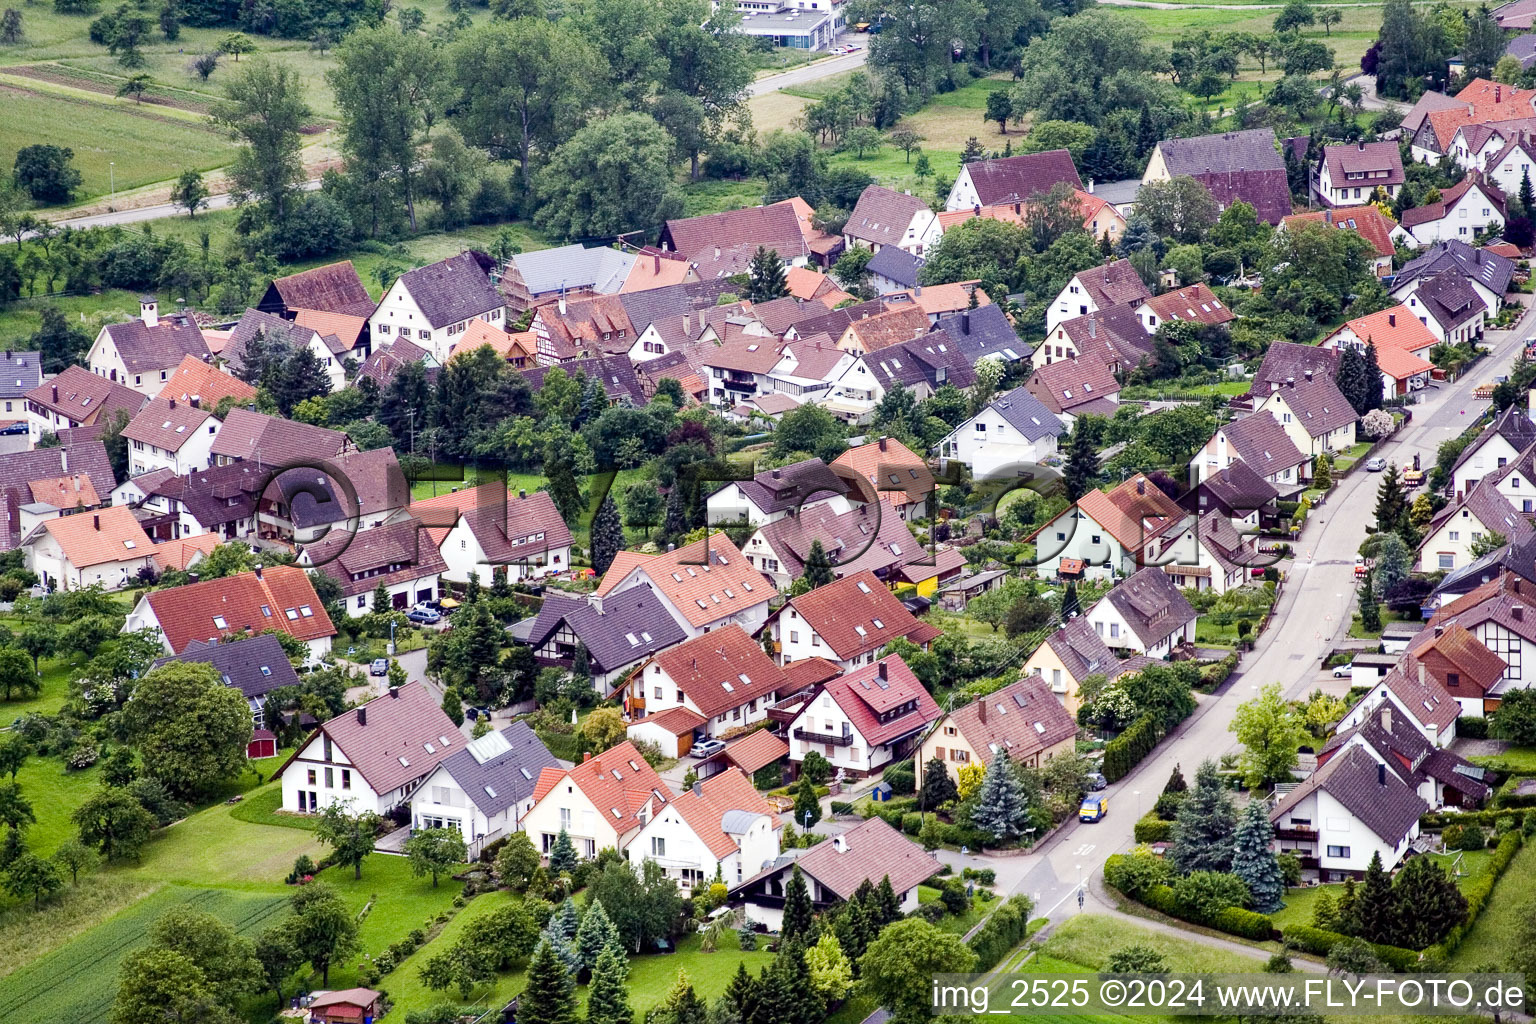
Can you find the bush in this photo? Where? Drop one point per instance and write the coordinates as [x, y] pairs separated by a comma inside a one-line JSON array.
[[1245, 923], [1204, 894], [839, 807], [1004, 929], [1465, 837], [1216, 673], [1125, 751], [1319, 941], [769, 776], [900, 778], [1135, 873], [1434, 822], [984, 876], [1472, 728], [1152, 829]]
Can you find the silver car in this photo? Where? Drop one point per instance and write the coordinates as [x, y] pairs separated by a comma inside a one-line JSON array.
[[1375, 465]]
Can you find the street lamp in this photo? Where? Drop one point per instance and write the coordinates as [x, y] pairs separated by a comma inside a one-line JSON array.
[[1137, 794], [112, 179]]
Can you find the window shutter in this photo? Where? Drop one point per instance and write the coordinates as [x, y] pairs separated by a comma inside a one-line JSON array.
[[938, 752]]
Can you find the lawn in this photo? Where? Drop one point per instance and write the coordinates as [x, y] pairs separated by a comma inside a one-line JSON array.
[[1493, 935], [1088, 939], [261, 808], [955, 924], [1300, 902], [1517, 759], [54, 793]]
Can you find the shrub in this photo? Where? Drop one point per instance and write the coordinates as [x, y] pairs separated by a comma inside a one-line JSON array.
[[912, 823], [1004, 929], [1125, 751], [1237, 921], [1152, 829], [984, 876], [1465, 837], [1319, 941], [1472, 728], [1437, 822], [1135, 873], [900, 778], [839, 807], [1204, 894]]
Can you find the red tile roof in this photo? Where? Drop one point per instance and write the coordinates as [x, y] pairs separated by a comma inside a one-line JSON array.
[[756, 750], [194, 378], [809, 671], [900, 476], [1197, 303], [1394, 327], [868, 852], [705, 807], [1367, 221], [722, 669], [677, 721], [702, 591], [1068, 383], [618, 782], [1457, 650], [179, 554], [884, 687], [167, 423], [276, 599], [1022, 718], [111, 534], [856, 615]]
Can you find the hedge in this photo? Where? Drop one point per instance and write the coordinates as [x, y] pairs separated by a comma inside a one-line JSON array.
[[1437, 822], [911, 823], [1216, 673], [1125, 751], [1507, 798], [1479, 890], [839, 807], [1006, 928], [1234, 920], [1472, 728], [1319, 941], [1152, 829]]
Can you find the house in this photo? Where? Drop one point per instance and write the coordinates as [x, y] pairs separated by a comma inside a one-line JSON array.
[[617, 632], [723, 677], [738, 370], [1517, 14], [382, 365], [77, 398], [345, 335], [1463, 212], [775, 227], [483, 789], [871, 852], [1411, 692], [1283, 361], [520, 349], [482, 531], [333, 288], [1466, 669], [895, 473], [893, 269], [194, 380], [981, 333], [348, 1006], [1011, 436], [1346, 812], [173, 435], [721, 827], [600, 803], [921, 366], [221, 502], [1261, 444], [773, 494], [927, 574], [1350, 173], [1313, 412], [1101, 219], [1145, 614], [1516, 162], [1074, 386], [1071, 654], [571, 271], [1106, 532], [275, 332], [183, 554], [1024, 720], [940, 300], [881, 331], [1011, 179], [868, 538], [432, 305], [967, 586], [885, 217], [1439, 777], [865, 719], [396, 557], [1473, 517], [372, 757], [1489, 272], [846, 622], [1432, 126], [1237, 492], [706, 585], [1212, 555], [621, 385], [20, 372], [254, 665], [279, 598], [582, 328], [809, 285], [1498, 614], [1113, 284], [1517, 560], [1195, 304], [1367, 221], [1448, 305], [1115, 335], [47, 482], [140, 354], [1402, 341], [273, 441], [105, 548], [1496, 446], [1233, 166]]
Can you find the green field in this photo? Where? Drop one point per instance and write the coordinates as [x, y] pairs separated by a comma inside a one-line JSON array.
[[1493, 936]]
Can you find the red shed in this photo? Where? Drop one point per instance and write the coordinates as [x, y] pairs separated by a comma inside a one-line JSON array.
[[263, 744]]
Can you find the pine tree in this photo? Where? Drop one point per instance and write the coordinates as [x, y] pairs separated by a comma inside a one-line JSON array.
[[453, 705], [548, 996], [380, 600], [938, 787], [853, 928], [797, 1000], [608, 996], [560, 933], [1000, 806], [1081, 471], [681, 1004], [1347, 914], [675, 523], [1351, 378], [807, 803], [596, 933], [885, 899], [1254, 862], [562, 855], [818, 567], [797, 906], [1378, 910], [1070, 605], [1374, 388], [743, 992], [607, 535], [1527, 193], [1202, 833], [1176, 783], [1147, 135], [1390, 504], [1428, 904], [766, 276]]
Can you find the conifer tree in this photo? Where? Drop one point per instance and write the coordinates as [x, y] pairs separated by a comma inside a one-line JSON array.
[[681, 1004], [1374, 387], [886, 901], [562, 855], [549, 996], [1000, 806], [675, 523], [1254, 862], [560, 933], [1428, 904], [818, 567], [1176, 783], [1377, 909], [1391, 507], [1347, 913], [1202, 832], [938, 787], [797, 906], [807, 803], [1527, 194], [1070, 605], [1351, 379], [743, 992], [607, 535], [853, 928], [608, 996], [596, 932], [767, 278], [1081, 471]]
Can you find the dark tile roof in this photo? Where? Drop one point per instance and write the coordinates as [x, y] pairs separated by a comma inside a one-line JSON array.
[[383, 363], [1238, 489], [897, 265], [84, 396], [1513, 425], [1023, 718], [1196, 303], [620, 383], [273, 441], [1318, 405], [355, 560], [1489, 507], [1377, 798], [1286, 359], [335, 288], [1151, 605], [18, 470], [1448, 199], [1242, 165], [394, 739], [982, 332], [500, 769], [1114, 284], [632, 625], [20, 372], [1026, 414], [1116, 335], [454, 289], [167, 424], [836, 321], [1017, 178], [253, 665], [774, 227], [1066, 385], [273, 328], [881, 215], [1450, 299], [865, 537], [870, 692], [1082, 651], [653, 304], [869, 852], [1363, 164], [930, 359], [1488, 269], [1517, 557], [843, 614], [775, 490], [146, 349]]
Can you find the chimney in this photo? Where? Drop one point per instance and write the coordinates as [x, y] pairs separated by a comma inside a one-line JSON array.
[[983, 711], [96, 522], [1141, 485], [1274, 386], [1518, 611], [196, 400], [362, 715], [1381, 774], [918, 292], [883, 673], [777, 474], [1391, 319], [882, 443], [586, 757], [562, 303], [976, 210], [173, 403], [1017, 211], [1309, 375], [1093, 328], [1498, 94], [1290, 382], [965, 321], [839, 844], [64, 460], [1090, 186], [394, 693], [258, 570], [1422, 681], [1361, 144], [522, 495], [1386, 716], [149, 310], [55, 394], [657, 258]]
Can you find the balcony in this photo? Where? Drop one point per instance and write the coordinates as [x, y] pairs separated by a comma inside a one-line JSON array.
[[808, 736], [1298, 834]]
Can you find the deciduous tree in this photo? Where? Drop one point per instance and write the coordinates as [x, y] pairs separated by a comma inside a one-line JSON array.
[[1271, 733], [188, 760], [350, 836], [435, 851], [898, 967], [265, 111]]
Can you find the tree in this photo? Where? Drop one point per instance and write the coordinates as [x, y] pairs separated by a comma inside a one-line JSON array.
[[17, 673], [31, 877], [607, 535], [1296, 14], [831, 973], [1390, 504], [189, 761], [136, 86], [435, 851], [1001, 808], [899, 964], [604, 728], [818, 567], [1029, 616], [113, 822], [324, 929], [938, 788], [610, 177], [59, 342], [1352, 380], [1136, 959], [10, 27], [189, 192], [45, 172], [1081, 471], [15, 810], [562, 855], [999, 109], [74, 856], [1487, 544], [906, 140], [162, 984], [1428, 903], [1254, 862], [549, 996], [642, 506], [278, 955], [1354, 957], [235, 44], [1271, 733], [807, 804], [516, 861], [227, 961], [350, 836], [1484, 44], [1180, 208], [265, 111], [595, 934], [766, 278], [204, 65], [608, 995], [797, 906], [1203, 830], [560, 470], [1393, 562], [1377, 910]]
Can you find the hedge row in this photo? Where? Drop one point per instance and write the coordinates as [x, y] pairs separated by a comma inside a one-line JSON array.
[[1234, 920], [1478, 891], [1006, 928], [950, 834], [1125, 751], [1216, 673], [1436, 822], [1319, 941], [1472, 728], [1152, 829]]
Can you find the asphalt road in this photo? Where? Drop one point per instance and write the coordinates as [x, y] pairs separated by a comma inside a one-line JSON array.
[[1315, 608], [819, 69]]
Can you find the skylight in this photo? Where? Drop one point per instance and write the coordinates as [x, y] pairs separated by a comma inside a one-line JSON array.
[[728, 687], [633, 766], [404, 763], [265, 670], [617, 776], [292, 613], [525, 774], [129, 544], [443, 740], [646, 636], [616, 813], [306, 611], [490, 791], [877, 622], [863, 587], [860, 630], [895, 549], [700, 602], [428, 747], [221, 622], [746, 680], [634, 641], [1040, 728]]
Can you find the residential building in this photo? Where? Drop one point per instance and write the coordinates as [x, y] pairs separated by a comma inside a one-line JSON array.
[[1463, 212], [105, 548], [1512, 165], [47, 482], [254, 665], [1115, 335], [600, 803], [1144, 614], [76, 398], [196, 381], [1345, 813], [1114, 284], [1351, 173], [333, 288], [809, 285], [373, 757], [795, 24], [183, 554], [1439, 777], [385, 362], [893, 269], [272, 441], [1195, 304], [1448, 305], [621, 385], [1237, 492], [981, 333], [868, 538], [173, 435], [885, 217], [773, 494], [434, 304], [20, 372], [894, 326], [1284, 361], [921, 366], [706, 585], [1260, 443], [927, 575], [482, 531], [1234, 166], [864, 720], [1489, 272], [1367, 221], [1463, 666], [721, 827], [275, 332], [1496, 446], [846, 622], [1011, 179], [1402, 340], [1474, 146], [140, 354], [1024, 720], [1515, 560], [1074, 386], [1106, 533], [1416, 697], [1498, 614], [1314, 413], [396, 557], [482, 790], [519, 349], [1432, 126], [569, 271], [895, 473], [711, 237], [1211, 554], [1067, 657], [723, 677], [940, 300], [1011, 436], [617, 632], [278, 598], [1477, 516]]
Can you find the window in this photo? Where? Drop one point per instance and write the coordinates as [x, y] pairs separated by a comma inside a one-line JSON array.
[[658, 846], [424, 335], [1447, 560], [1453, 679], [959, 755], [311, 776], [346, 778], [362, 600], [565, 819], [794, 636], [1455, 535], [1338, 851], [330, 781], [1114, 629]]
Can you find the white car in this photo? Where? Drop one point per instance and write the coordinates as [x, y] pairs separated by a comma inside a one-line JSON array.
[[706, 748], [1343, 671]]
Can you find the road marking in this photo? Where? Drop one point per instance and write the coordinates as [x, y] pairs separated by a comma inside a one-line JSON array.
[[1084, 850]]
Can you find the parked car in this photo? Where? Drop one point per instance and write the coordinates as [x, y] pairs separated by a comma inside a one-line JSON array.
[[424, 615], [1093, 808], [1096, 781], [380, 667], [1375, 465], [706, 748], [1343, 671]]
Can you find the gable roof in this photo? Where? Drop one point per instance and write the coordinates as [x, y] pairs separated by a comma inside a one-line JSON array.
[[1237, 488], [274, 441], [632, 625], [85, 397], [145, 349], [882, 215], [1023, 718], [774, 227], [272, 328], [982, 332], [1427, 103], [1263, 444], [872, 697], [1489, 269], [1364, 164], [705, 580], [760, 748], [572, 267], [1411, 757], [898, 474], [1286, 360], [1422, 697], [1133, 512], [1438, 210], [721, 806], [334, 288], [111, 534], [1068, 384], [274, 598], [457, 288], [1450, 299], [1019, 178], [1026, 414], [896, 264], [393, 739], [722, 669], [74, 472], [166, 423], [1462, 651], [892, 327], [618, 782], [868, 852], [1196, 303], [20, 372], [1381, 801], [1113, 284], [254, 665], [1082, 652], [194, 378], [1395, 328], [1116, 335], [383, 363], [1489, 507], [615, 372], [500, 769], [1243, 165], [1367, 221], [182, 553], [866, 537], [791, 486], [1513, 425], [387, 555], [1318, 405], [1151, 605], [856, 615]]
